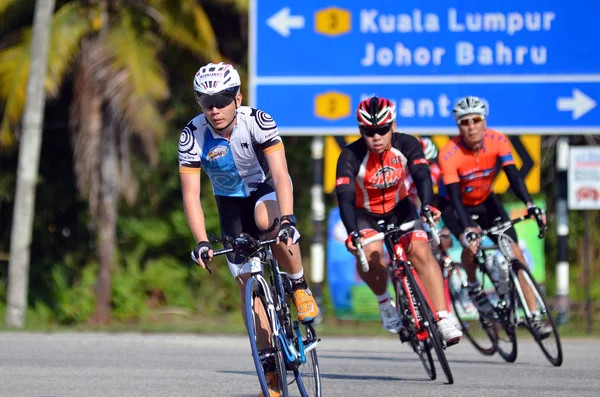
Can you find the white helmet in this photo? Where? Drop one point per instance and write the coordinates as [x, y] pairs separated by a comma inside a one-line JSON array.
[[469, 105], [429, 148], [216, 78]]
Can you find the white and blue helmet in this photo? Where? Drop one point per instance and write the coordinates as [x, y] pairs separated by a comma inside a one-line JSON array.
[[469, 105], [216, 78]]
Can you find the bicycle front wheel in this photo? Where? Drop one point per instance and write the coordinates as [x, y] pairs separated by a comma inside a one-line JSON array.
[[266, 349], [429, 322], [543, 327], [421, 347], [307, 371]]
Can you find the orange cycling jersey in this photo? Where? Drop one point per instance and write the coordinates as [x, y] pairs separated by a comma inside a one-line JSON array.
[[475, 170]]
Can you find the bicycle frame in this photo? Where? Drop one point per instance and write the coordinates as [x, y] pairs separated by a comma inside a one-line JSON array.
[[277, 307], [505, 248], [397, 268]]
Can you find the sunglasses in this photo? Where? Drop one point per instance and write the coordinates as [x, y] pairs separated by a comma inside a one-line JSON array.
[[372, 131], [218, 101], [470, 120]]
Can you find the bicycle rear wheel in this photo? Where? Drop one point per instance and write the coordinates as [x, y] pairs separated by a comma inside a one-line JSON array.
[[480, 331], [306, 371], [429, 322], [270, 346], [549, 342], [421, 347]]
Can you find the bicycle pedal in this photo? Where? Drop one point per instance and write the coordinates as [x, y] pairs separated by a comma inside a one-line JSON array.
[[451, 343]]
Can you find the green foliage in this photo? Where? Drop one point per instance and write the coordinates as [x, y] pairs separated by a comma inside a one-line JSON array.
[[74, 296], [127, 293], [164, 277]]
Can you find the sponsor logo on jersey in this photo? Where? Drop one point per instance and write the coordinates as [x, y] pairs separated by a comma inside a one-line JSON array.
[[386, 177], [342, 180], [217, 152]]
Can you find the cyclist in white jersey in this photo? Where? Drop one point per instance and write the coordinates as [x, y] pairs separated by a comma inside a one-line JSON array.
[[241, 151]]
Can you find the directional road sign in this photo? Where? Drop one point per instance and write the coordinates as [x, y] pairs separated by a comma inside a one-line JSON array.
[[536, 63]]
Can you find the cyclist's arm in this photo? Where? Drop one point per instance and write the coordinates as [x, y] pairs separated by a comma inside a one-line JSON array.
[[190, 164], [281, 179], [190, 189], [507, 162], [347, 168], [264, 130], [418, 166], [455, 198]]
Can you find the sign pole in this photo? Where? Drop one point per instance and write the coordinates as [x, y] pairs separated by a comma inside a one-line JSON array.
[[562, 230], [586, 245], [317, 250]]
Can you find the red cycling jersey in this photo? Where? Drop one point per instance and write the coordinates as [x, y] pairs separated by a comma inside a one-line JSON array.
[[379, 179]]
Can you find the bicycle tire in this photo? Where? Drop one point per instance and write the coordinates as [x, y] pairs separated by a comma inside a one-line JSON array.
[[429, 323], [469, 325], [557, 358], [507, 322], [255, 293], [307, 374], [421, 348]]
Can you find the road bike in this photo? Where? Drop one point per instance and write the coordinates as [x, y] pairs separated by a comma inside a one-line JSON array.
[[498, 329], [419, 317], [291, 344]]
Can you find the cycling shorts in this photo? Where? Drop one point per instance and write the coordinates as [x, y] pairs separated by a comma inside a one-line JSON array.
[[403, 212], [482, 215], [236, 215]]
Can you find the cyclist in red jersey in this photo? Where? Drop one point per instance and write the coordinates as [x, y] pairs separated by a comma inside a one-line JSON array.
[[469, 165], [370, 187]]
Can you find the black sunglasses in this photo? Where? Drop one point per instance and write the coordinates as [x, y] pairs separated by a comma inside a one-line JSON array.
[[218, 101], [372, 131]]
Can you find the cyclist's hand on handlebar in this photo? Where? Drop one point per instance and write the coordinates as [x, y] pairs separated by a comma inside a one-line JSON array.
[[203, 254], [427, 210], [350, 246], [288, 234], [539, 215], [469, 239]]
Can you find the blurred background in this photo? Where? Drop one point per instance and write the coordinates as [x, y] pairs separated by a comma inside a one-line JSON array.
[[110, 243]]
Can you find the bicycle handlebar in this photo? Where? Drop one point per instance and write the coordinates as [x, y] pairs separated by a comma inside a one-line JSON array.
[[505, 225], [377, 237], [243, 243], [435, 234]]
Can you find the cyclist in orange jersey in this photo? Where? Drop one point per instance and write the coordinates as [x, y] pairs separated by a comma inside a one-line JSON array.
[[469, 166]]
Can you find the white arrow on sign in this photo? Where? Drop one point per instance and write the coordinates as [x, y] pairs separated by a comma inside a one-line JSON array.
[[579, 104], [282, 22]]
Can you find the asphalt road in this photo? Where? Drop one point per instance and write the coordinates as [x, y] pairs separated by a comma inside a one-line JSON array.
[[131, 365]]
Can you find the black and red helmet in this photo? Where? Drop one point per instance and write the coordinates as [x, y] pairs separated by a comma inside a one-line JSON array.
[[375, 112]]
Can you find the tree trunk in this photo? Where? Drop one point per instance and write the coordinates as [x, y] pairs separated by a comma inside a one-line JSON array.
[[27, 171], [107, 218]]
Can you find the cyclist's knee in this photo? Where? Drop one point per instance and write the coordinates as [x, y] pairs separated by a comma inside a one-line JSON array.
[[265, 214], [420, 254]]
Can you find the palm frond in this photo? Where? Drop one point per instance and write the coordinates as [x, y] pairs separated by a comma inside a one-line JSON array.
[[12, 13], [134, 79], [69, 25], [185, 23], [14, 70], [240, 5]]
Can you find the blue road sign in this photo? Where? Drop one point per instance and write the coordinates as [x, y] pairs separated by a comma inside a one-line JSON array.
[[536, 63]]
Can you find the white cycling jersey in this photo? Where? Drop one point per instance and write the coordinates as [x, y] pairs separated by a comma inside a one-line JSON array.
[[235, 166]]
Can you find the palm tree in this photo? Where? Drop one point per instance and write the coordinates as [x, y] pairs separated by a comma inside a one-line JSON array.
[[29, 157], [112, 49]]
